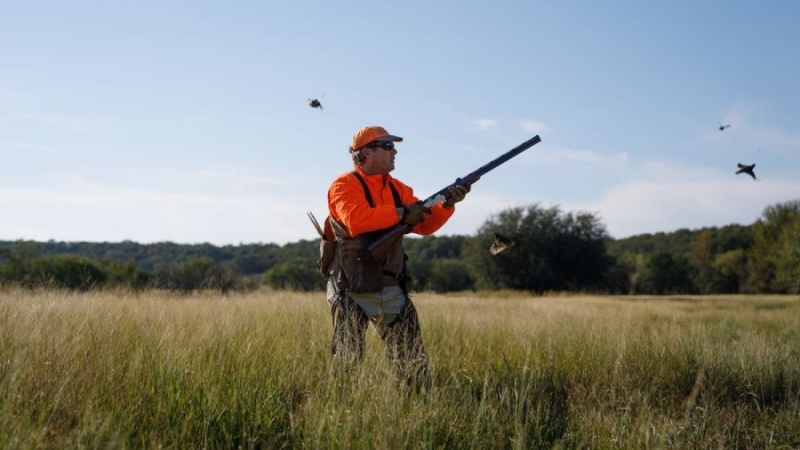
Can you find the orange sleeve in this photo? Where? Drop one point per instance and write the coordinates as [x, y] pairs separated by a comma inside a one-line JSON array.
[[348, 204], [436, 220], [438, 217]]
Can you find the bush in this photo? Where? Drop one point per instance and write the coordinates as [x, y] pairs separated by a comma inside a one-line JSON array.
[[63, 271], [294, 276], [554, 251], [127, 275], [449, 275]]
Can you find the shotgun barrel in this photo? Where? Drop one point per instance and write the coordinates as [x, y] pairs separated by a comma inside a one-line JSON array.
[[383, 242]]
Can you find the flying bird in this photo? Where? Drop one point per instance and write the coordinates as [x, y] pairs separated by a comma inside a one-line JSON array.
[[315, 102], [722, 127], [500, 243], [746, 169]]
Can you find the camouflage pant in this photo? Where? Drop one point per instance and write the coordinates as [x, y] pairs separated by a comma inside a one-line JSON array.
[[402, 338]]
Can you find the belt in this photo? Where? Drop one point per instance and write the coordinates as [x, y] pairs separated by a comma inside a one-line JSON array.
[[396, 276], [391, 278]]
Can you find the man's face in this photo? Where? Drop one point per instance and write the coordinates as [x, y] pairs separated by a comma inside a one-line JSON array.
[[379, 158]]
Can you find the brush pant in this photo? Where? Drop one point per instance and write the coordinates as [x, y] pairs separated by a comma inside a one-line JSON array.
[[393, 316]]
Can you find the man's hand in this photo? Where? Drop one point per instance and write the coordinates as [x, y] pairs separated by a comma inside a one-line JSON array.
[[414, 214], [457, 193]]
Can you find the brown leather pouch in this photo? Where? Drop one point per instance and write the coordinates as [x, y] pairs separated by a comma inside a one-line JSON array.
[[327, 253], [327, 249], [363, 273]]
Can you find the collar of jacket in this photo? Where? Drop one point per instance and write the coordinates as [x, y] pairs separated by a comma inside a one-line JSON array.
[[374, 179]]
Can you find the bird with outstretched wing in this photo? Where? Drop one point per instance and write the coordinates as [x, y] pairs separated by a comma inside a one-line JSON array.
[[500, 243], [743, 168]]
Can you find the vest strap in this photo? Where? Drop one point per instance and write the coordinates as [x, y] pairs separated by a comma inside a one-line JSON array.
[[395, 195]]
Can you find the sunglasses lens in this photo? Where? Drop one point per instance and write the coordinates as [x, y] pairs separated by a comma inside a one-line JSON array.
[[388, 146]]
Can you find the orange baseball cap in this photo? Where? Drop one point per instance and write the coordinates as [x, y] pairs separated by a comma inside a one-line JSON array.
[[372, 133]]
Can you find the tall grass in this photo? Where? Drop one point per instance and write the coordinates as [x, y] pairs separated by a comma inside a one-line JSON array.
[[154, 369]]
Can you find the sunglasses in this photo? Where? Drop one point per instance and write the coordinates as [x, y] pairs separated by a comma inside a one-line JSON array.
[[388, 146]]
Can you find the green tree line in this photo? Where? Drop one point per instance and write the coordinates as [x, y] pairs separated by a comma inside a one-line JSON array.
[[554, 251]]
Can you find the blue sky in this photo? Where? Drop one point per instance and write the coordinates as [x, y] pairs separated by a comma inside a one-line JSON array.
[[187, 121]]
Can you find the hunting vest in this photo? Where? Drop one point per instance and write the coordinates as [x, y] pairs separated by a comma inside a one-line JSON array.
[[348, 259]]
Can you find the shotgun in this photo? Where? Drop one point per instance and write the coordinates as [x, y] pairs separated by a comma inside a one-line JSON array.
[[383, 242]]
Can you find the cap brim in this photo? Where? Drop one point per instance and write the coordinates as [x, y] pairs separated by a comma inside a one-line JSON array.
[[389, 138]]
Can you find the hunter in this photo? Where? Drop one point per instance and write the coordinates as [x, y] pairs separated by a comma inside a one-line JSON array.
[[362, 290]]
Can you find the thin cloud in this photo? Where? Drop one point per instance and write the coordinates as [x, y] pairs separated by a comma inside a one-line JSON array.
[[558, 157], [25, 146], [106, 213], [533, 126], [211, 180], [6, 95], [218, 203], [650, 206], [231, 175], [485, 124], [64, 122]]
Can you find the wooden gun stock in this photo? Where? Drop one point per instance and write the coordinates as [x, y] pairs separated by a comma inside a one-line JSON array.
[[384, 242]]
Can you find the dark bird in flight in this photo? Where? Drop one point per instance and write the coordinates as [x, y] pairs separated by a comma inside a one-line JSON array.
[[722, 127], [500, 243], [315, 102], [746, 169]]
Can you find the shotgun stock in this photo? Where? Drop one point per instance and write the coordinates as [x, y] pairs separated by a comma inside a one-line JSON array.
[[383, 242]]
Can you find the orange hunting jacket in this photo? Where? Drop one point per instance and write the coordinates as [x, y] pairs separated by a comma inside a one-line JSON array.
[[348, 204]]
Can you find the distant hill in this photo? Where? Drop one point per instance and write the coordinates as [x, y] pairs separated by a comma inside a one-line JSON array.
[[757, 258], [249, 259], [679, 242]]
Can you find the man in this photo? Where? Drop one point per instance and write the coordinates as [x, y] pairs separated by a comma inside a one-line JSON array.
[[361, 290]]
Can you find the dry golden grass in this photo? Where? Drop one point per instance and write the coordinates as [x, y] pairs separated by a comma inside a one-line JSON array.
[[155, 369]]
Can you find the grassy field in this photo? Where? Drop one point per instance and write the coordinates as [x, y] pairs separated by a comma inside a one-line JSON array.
[[124, 370]]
